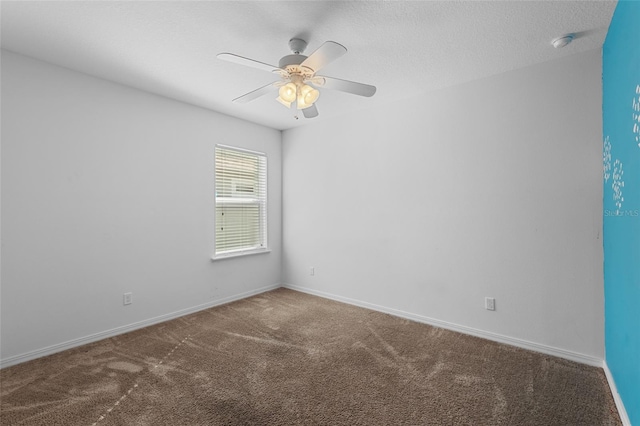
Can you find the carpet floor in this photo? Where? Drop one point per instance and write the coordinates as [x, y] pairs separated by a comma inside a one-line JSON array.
[[288, 358]]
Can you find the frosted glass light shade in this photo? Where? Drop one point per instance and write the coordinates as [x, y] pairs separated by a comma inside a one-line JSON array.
[[307, 95], [288, 92]]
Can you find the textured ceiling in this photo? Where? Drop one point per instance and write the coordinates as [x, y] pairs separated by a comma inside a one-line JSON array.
[[403, 48]]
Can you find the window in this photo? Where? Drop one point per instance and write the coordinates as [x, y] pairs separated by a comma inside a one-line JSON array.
[[241, 202]]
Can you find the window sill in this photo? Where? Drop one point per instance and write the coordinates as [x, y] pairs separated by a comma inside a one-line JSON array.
[[239, 253]]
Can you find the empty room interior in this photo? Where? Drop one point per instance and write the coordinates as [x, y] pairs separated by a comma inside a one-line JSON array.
[[357, 213]]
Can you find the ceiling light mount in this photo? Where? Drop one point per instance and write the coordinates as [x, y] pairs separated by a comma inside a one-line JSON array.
[[297, 45], [562, 41]]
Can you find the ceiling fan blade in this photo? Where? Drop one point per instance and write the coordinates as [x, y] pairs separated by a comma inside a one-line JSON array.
[[230, 57], [310, 112], [360, 89], [328, 52], [256, 93]]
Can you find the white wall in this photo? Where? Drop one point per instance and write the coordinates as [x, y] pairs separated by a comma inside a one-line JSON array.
[[490, 188], [107, 190]]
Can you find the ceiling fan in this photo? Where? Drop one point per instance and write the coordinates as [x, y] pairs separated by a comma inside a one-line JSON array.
[[298, 84]]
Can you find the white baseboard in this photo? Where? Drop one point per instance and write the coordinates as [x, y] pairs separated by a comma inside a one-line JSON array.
[[616, 396], [537, 347], [17, 359]]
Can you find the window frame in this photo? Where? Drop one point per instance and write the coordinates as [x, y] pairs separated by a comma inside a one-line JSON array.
[[262, 203]]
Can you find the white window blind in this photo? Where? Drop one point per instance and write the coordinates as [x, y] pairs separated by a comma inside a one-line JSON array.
[[241, 201]]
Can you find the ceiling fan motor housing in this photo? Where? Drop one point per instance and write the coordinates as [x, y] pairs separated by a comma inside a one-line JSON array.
[[291, 60]]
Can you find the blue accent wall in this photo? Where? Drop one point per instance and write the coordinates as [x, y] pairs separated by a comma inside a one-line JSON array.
[[621, 175]]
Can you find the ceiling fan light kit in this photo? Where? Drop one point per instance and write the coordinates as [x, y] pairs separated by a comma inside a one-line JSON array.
[[298, 76], [297, 91]]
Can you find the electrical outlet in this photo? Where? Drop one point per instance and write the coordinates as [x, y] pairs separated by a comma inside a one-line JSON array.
[[490, 303], [312, 271], [127, 299]]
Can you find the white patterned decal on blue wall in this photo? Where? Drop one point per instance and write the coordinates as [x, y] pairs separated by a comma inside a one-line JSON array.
[[636, 115], [618, 184], [621, 230], [606, 159]]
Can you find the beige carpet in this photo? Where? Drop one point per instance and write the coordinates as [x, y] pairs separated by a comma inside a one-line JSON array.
[[287, 358]]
